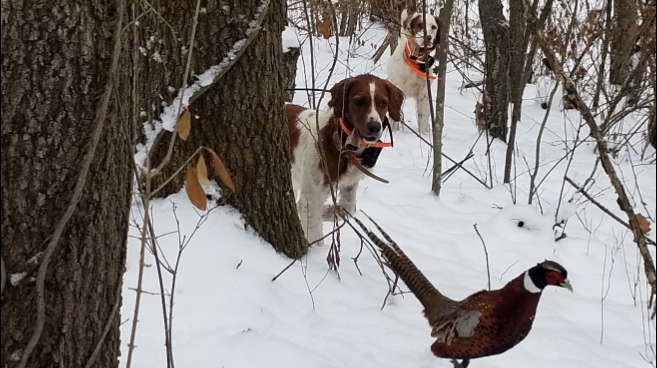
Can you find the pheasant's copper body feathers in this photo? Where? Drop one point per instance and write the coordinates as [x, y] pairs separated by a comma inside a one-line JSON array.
[[485, 323]]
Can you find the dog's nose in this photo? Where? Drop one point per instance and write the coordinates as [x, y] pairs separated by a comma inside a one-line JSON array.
[[373, 127], [427, 38]]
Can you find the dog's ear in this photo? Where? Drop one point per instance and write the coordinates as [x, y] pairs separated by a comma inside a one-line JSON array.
[[395, 101], [404, 15], [339, 94]]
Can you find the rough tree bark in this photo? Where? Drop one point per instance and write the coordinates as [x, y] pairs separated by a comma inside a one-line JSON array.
[[497, 88], [623, 38], [242, 117], [55, 71]]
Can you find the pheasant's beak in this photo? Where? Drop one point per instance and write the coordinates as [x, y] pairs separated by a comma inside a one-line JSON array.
[[566, 285]]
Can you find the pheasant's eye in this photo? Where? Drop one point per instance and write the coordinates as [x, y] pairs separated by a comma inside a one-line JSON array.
[[553, 278]]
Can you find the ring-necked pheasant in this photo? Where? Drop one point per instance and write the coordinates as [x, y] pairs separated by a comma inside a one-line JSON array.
[[483, 324]]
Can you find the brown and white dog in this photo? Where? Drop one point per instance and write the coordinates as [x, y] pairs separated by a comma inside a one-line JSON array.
[[349, 132], [407, 68]]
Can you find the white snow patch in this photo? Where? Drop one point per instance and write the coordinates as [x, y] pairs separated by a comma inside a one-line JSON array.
[[16, 278], [157, 57], [290, 39]]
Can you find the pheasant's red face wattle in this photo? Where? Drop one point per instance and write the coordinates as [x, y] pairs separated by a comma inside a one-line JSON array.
[[554, 278]]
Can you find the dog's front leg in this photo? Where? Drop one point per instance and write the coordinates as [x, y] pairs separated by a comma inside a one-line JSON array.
[[346, 202], [348, 198], [310, 207]]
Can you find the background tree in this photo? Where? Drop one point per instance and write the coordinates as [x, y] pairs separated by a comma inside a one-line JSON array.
[[445, 17], [242, 117], [623, 38], [497, 86], [521, 66], [66, 182]]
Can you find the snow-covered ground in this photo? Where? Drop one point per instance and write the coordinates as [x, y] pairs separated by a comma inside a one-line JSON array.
[[228, 312]]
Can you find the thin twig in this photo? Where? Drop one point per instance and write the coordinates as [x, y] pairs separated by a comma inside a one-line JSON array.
[[597, 133], [283, 270], [485, 252], [4, 274], [601, 207], [158, 267], [447, 157], [99, 124]]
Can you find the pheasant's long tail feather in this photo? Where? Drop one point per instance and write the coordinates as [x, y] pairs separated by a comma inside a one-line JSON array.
[[403, 266]]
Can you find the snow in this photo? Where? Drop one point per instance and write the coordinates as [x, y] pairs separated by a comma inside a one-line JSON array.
[[16, 278], [290, 39], [229, 313]]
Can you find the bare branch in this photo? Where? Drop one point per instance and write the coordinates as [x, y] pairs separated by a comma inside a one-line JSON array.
[[596, 133]]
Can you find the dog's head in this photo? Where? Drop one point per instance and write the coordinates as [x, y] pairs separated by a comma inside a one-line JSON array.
[[413, 27], [363, 102]]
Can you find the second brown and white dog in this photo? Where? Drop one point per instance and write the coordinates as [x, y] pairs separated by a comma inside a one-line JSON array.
[[348, 132], [407, 68]]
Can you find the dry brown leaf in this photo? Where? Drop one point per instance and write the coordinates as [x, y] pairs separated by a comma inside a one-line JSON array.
[[184, 125], [644, 225], [324, 28], [194, 190], [220, 170], [202, 170]]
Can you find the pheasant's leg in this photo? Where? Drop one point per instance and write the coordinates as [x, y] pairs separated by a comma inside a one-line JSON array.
[[463, 364]]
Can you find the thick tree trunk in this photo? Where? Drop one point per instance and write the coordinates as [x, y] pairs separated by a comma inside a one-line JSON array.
[[497, 89], [623, 39], [242, 117], [56, 58]]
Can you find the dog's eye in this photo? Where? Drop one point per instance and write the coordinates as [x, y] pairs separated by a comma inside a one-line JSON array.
[[383, 104], [434, 27], [358, 102]]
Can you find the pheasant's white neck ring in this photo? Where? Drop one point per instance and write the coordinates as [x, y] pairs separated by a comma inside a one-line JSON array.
[[529, 284]]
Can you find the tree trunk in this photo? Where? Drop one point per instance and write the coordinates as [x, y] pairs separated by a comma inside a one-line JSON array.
[[497, 87], [521, 67], [439, 123], [290, 59], [242, 117], [518, 55], [623, 39], [56, 58]]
